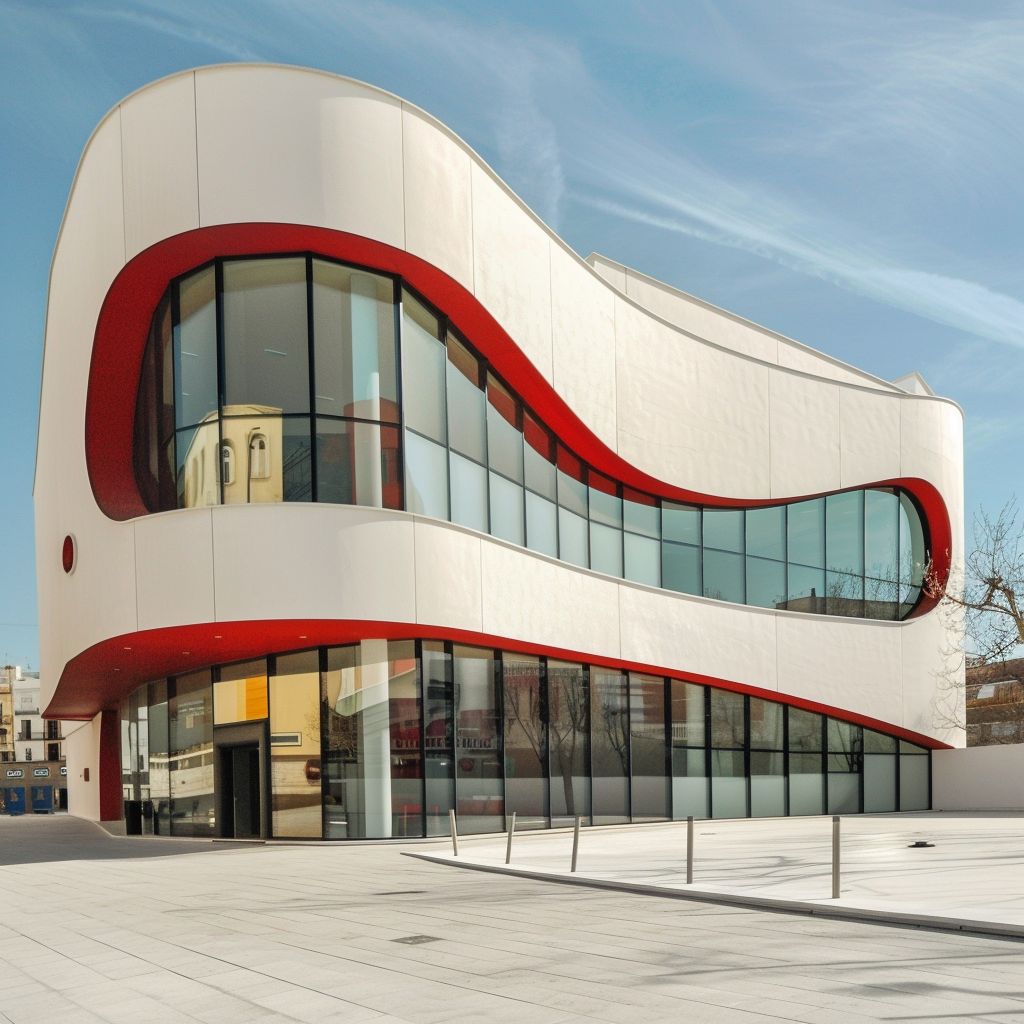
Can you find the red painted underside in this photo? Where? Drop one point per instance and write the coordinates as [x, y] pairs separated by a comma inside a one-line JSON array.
[[108, 671], [98, 677]]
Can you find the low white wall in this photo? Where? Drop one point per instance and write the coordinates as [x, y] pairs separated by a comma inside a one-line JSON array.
[[82, 750], [979, 778]]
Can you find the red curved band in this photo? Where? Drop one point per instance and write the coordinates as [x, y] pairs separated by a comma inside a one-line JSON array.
[[124, 321], [105, 673]]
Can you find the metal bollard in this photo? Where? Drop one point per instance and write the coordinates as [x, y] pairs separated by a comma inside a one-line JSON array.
[[835, 856], [575, 842], [689, 850], [455, 833], [511, 832]]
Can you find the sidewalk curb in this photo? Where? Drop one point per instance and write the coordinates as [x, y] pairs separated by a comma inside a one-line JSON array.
[[885, 917]]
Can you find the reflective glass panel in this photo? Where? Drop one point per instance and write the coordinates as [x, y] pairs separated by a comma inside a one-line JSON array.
[[766, 532], [506, 509], [467, 405], [605, 549], [649, 796], [295, 768], [357, 751], [198, 482], [879, 783], [296, 459], [159, 759], [190, 725], [469, 493], [806, 589], [541, 525], [766, 583], [805, 730], [724, 576], [569, 728], [844, 532], [195, 349], [680, 523], [767, 784], [642, 519], [767, 730], [727, 725], [845, 594], [572, 494], [914, 782], [689, 718], [405, 706], [728, 784], [609, 746], [526, 746], [881, 534], [806, 528], [504, 444], [479, 773], [912, 552], [266, 337], [643, 560], [573, 538], [354, 339], [605, 508], [723, 529], [426, 477], [358, 464], [539, 453], [680, 568], [240, 692], [438, 737], [423, 371], [806, 783]]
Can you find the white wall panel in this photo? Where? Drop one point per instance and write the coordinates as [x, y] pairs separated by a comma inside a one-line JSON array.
[[512, 269], [804, 431], [691, 634], [158, 148], [933, 679], [285, 561], [869, 429], [979, 778], [844, 663], [174, 566], [529, 598], [279, 144], [82, 751], [438, 198], [583, 343], [921, 439], [447, 576], [689, 414]]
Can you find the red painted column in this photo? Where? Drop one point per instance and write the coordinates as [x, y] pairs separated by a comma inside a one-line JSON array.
[[111, 805]]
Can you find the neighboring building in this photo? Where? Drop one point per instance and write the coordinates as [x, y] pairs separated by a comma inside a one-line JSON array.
[[33, 776], [995, 703], [7, 728], [361, 498]]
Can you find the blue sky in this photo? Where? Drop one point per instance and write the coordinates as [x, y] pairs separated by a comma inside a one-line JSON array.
[[846, 173]]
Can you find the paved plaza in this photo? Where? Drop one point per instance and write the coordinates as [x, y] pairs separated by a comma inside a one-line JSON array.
[[970, 874], [97, 928]]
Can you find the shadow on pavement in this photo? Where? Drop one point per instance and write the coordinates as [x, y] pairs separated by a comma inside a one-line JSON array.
[[37, 838]]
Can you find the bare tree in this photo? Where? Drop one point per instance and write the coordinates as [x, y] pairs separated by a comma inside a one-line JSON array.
[[981, 606]]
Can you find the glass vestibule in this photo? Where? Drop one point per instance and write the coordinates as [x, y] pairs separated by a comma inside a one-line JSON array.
[[300, 378], [382, 738]]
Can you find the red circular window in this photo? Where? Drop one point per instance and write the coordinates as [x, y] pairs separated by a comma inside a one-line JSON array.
[[67, 555]]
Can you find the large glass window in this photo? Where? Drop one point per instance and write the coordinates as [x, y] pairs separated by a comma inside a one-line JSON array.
[[568, 732], [357, 751], [649, 750], [526, 739], [240, 693], [845, 748], [479, 772], [405, 705], [190, 725], [806, 762], [728, 755], [299, 378], [689, 750], [295, 766], [438, 737], [609, 746], [880, 772], [767, 758], [159, 758]]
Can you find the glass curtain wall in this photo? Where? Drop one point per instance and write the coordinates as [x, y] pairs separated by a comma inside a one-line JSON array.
[[278, 379], [382, 739]]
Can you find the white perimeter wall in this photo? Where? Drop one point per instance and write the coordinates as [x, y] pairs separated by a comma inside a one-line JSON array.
[[81, 751], [256, 143], [979, 778]]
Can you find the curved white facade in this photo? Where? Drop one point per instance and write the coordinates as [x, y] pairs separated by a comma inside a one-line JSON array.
[[688, 395]]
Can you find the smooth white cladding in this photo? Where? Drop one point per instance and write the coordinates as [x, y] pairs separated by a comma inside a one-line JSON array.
[[690, 395]]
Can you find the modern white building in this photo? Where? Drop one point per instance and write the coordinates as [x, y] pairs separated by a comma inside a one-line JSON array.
[[360, 497]]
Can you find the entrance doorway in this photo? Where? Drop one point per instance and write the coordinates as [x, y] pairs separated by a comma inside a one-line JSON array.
[[240, 767], [240, 772]]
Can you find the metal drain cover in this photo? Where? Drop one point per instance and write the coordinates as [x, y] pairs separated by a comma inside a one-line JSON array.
[[920, 845], [418, 940]]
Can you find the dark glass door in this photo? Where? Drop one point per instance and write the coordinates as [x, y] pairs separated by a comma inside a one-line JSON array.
[[240, 771]]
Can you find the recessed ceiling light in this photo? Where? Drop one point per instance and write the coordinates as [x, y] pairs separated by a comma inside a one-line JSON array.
[[127, 648]]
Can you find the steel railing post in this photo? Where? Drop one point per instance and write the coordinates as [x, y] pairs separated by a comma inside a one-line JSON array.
[[835, 856], [575, 842], [689, 850], [455, 832], [511, 832]]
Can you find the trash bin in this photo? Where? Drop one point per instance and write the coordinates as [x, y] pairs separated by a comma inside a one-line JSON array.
[[133, 817]]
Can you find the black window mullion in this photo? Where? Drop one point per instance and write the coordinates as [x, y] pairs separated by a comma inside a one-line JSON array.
[[399, 387], [746, 736], [313, 495], [221, 383], [175, 343]]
